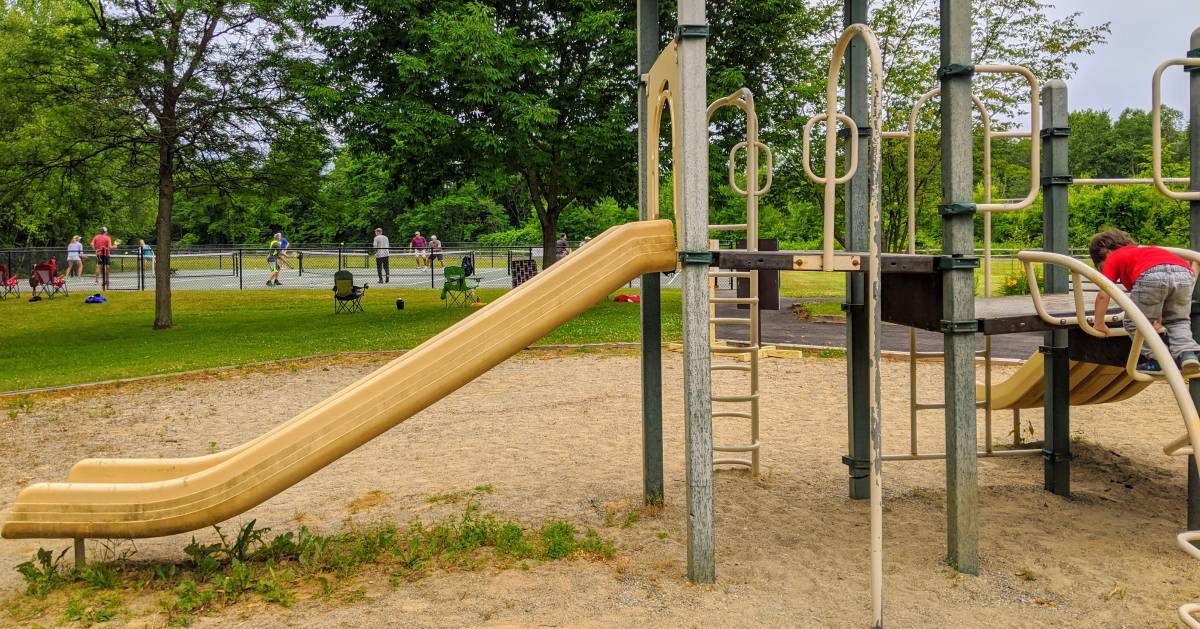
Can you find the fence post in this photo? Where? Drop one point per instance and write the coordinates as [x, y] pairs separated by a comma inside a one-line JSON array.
[[340, 256], [241, 267]]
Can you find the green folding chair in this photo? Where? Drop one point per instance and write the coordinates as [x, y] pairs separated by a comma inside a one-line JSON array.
[[458, 289], [346, 296]]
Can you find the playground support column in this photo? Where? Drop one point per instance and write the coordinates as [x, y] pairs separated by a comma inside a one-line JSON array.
[[697, 363], [857, 347], [1056, 179], [958, 316], [1193, 509], [652, 449]]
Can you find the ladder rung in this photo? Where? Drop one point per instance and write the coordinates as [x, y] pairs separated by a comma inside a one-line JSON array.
[[735, 398], [738, 448], [731, 368], [733, 300], [730, 349], [732, 227], [728, 321], [733, 461], [737, 414], [745, 274]]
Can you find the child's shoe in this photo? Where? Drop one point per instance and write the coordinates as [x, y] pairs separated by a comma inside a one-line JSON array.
[[1149, 366], [1189, 364]]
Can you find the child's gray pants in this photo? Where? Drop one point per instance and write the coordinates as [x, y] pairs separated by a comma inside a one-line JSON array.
[[1165, 292]]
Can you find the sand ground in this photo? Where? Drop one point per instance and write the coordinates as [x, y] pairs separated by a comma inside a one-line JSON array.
[[558, 436]]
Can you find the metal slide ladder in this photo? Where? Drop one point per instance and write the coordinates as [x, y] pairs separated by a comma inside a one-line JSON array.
[[735, 454]]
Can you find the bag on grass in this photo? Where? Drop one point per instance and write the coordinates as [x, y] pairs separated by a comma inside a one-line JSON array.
[[95, 299]]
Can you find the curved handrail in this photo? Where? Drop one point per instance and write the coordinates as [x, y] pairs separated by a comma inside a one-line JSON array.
[[1143, 325], [1035, 139], [874, 233], [1156, 130]]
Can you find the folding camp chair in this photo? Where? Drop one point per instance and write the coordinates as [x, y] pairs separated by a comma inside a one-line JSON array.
[[48, 283], [347, 296], [458, 289], [8, 283]]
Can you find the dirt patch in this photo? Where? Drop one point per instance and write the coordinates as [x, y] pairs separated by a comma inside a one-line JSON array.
[[557, 436], [369, 500]]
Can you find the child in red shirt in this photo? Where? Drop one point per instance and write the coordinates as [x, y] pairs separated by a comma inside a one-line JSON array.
[[1160, 283]]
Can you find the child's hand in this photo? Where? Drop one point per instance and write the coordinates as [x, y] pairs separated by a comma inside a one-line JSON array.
[[1158, 326]]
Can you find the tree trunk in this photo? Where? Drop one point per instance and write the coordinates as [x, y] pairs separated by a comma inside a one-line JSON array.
[[549, 238], [163, 318]]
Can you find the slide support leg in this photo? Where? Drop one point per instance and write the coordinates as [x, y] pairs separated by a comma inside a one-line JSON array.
[[1056, 451], [652, 448], [858, 350], [697, 359], [958, 315]]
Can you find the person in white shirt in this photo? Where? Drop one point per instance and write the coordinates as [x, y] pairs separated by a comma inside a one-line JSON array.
[[382, 256], [435, 251], [75, 256]]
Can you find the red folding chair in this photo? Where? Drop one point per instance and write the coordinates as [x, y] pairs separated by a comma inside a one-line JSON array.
[[47, 282], [8, 283]]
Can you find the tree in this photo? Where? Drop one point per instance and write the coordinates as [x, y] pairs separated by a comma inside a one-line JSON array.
[[190, 86], [452, 91]]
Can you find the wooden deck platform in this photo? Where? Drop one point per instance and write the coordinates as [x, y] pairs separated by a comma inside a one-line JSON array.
[[912, 289]]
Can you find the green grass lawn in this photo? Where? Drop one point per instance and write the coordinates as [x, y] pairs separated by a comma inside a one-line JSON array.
[[63, 341]]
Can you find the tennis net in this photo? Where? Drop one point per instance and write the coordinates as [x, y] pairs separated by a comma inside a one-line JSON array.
[[399, 261], [208, 264]]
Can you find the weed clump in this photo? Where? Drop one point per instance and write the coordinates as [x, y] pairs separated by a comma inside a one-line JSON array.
[[280, 569]]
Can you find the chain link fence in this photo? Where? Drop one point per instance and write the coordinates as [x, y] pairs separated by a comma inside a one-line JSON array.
[[241, 267]]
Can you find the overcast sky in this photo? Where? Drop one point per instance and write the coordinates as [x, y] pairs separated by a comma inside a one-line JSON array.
[[1144, 34]]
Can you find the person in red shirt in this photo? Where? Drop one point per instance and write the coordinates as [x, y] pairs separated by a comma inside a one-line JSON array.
[[1160, 283], [102, 243]]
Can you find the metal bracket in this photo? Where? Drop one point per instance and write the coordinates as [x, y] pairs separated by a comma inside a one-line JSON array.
[[958, 261], [844, 132], [853, 307], [696, 257], [968, 326], [859, 468], [1057, 180], [685, 31], [1055, 132], [1049, 349], [956, 209], [1052, 456], [955, 69]]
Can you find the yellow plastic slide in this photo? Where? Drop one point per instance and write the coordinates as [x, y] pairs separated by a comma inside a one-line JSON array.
[[153, 497], [1091, 383]]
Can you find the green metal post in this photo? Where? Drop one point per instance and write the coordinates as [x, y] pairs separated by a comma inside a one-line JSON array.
[[958, 314], [858, 350], [1056, 179], [652, 445], [1193, 508]]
